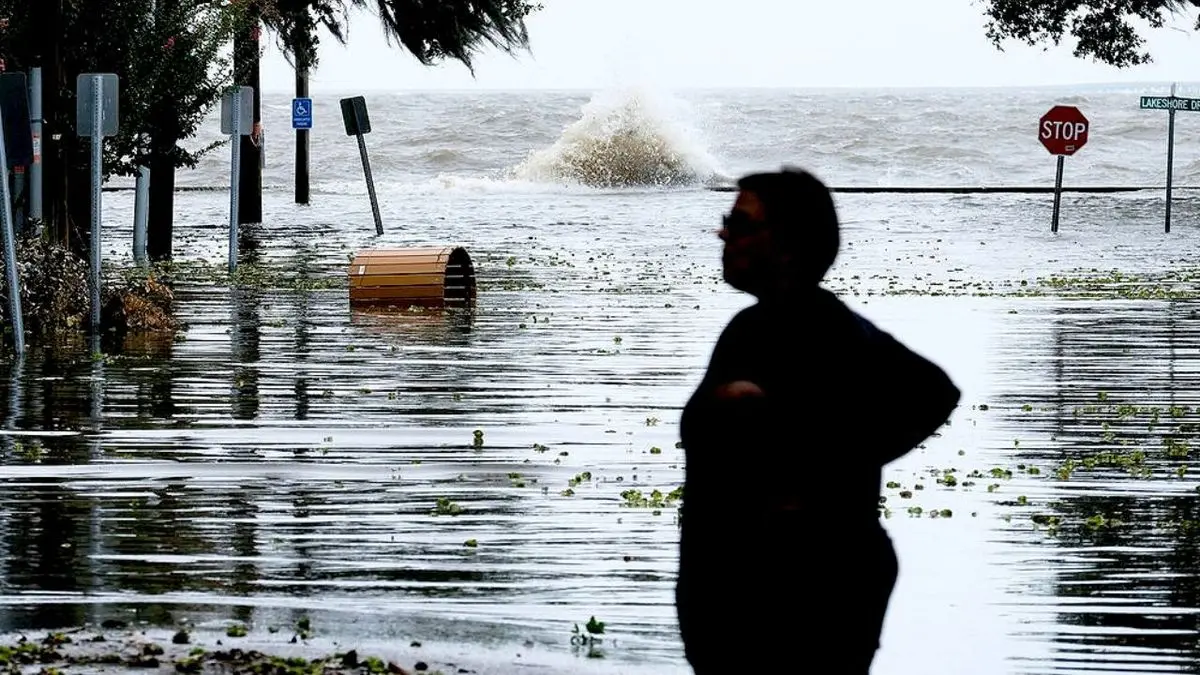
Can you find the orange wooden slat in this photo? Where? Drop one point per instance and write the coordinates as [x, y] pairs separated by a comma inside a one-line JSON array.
[[391, 292], [434, 251], [392, 268], [386, 280]]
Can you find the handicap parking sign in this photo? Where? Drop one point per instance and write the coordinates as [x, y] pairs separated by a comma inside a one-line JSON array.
[[302, 113]]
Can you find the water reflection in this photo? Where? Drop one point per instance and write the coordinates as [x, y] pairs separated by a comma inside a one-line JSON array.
[[48, 528], [302, 341], [245, 337], [451, 327], [1115, 429]]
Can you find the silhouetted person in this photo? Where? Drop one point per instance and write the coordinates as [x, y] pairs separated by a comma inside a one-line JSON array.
[[784, 564]]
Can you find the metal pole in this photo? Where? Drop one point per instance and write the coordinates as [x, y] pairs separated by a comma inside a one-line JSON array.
[[1170, 160], [10, 255], [1058, 176], [141, 209], [35, 169], [362, 152], [235, 170], [97, 164]]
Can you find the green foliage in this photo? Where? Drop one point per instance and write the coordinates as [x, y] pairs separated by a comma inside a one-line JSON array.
[[1103, 30], [429, 31], [172, 66]]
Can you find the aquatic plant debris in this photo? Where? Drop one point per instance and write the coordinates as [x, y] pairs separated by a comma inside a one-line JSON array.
[[103, 651], [1138, 444]]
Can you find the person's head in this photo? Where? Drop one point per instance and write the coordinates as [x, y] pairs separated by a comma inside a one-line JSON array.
[[781, 235]]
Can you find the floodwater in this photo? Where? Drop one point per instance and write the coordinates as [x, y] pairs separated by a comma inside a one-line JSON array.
[[285, 457]]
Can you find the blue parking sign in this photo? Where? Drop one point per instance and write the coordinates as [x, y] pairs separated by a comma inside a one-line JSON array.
[[302, 117]]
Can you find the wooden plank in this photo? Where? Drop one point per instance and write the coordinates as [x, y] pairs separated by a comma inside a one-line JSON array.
[[420, 261], [395, 292], [440, 261], [387, 280], [393, 269], [403, 252]]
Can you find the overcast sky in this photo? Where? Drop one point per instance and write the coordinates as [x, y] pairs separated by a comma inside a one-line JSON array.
[[595, 44]]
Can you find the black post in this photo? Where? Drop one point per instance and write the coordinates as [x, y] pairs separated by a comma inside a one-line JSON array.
[[1170, 159], [301, 138], [1057, 194]]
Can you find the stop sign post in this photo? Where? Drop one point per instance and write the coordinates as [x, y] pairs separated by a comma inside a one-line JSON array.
[[1063, 131]]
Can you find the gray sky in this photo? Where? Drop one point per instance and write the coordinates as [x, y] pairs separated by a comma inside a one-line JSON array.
[[595, 44]]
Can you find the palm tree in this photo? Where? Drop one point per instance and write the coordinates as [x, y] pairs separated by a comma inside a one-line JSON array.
[[429, 31]]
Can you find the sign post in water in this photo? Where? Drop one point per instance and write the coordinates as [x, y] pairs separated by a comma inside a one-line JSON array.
[[10, 252], [1063, 131], [1170, 104], [302, 122], [358, 123], [237, 120], [96, 116]]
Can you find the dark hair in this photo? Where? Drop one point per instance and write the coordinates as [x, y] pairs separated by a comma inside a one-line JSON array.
[[801, 217]]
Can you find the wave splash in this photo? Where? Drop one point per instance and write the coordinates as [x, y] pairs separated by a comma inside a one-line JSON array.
[[623, 139]]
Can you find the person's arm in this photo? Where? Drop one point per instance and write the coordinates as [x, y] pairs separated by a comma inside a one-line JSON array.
[[915, 397]]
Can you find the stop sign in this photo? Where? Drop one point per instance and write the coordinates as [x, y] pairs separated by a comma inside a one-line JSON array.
[[1063, 130]]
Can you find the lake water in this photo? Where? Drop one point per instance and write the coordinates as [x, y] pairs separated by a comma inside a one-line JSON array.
[[282, 457]]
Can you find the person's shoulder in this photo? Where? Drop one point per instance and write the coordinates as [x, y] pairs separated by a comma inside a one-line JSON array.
[[745, 318], [838, 313]]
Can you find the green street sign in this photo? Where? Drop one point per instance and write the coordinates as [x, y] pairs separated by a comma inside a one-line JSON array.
[[1170, 103]]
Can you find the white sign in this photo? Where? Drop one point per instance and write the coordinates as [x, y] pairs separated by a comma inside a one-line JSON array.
[[1067, 131]]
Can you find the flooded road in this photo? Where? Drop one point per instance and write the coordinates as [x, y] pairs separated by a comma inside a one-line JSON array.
[[463, 479]]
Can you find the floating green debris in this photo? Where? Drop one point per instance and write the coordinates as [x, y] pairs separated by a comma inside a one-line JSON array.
[[655, 500], [445, 507]]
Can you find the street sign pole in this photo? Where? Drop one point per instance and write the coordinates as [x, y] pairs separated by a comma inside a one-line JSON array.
[[10, 256], [237, 110], [97, 179], [1058, 176], [1172, 104], [35, 167], [1063, 131], [141, 212], [235, 171], [302, 122], [1170, 160], [96, 116], [358, 123]]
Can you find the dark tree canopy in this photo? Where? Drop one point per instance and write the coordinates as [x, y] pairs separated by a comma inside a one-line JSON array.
[[1104, 30], [429, 30]]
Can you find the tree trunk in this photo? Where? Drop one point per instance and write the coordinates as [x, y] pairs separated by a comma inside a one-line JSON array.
[[161, 209], [54, 130], [79, 203], [246, 73]]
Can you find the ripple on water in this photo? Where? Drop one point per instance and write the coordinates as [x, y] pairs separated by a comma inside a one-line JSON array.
[[286, 456]]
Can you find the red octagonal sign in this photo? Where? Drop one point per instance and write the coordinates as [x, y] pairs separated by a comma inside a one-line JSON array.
[[1063, 130]]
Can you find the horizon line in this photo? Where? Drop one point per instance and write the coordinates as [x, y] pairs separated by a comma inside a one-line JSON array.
[[822, 88]]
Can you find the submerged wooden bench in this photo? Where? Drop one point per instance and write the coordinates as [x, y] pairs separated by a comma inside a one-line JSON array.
[[404, 277]]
